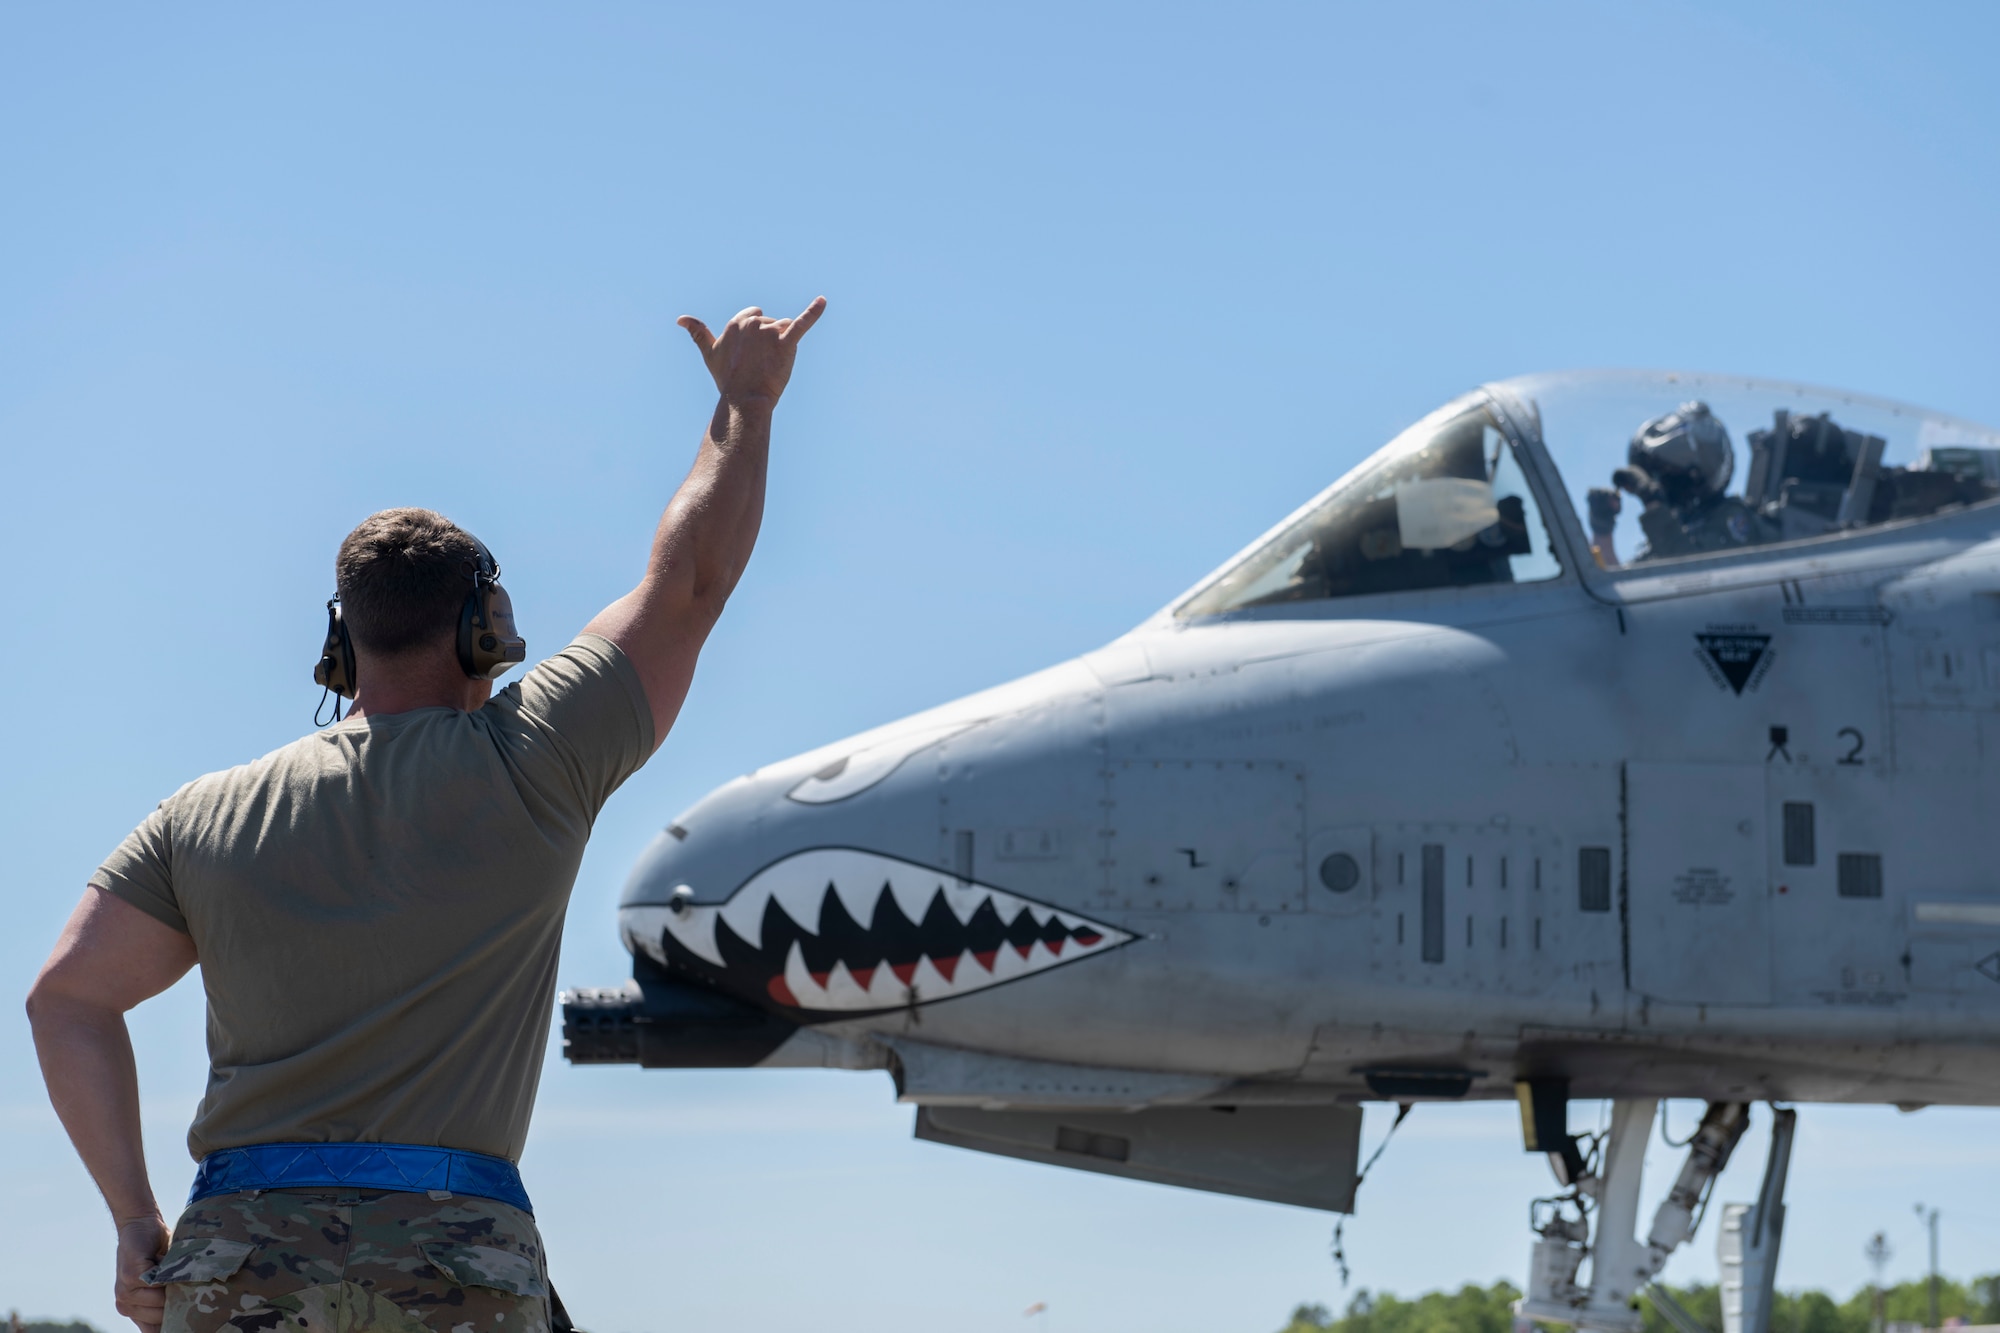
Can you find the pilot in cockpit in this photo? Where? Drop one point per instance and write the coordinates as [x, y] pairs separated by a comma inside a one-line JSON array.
[[1678, 468]]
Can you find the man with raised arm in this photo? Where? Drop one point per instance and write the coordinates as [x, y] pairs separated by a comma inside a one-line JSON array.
[[376, 911]]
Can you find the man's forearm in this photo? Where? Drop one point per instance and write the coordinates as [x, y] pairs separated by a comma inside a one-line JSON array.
[[705, 538], [110, 957], [700, 549], [86, 1058]]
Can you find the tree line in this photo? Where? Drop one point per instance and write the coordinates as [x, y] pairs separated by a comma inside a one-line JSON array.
[[1476, 1309]]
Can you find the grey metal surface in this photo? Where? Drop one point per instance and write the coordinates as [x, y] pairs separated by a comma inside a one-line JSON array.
[[1714, 827], [1303, 1156]]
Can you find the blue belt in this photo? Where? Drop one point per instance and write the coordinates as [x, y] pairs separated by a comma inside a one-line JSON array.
[[368, 1166]]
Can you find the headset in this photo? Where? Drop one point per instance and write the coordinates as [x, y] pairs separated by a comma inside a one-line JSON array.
[[336, 662], [487, 642]]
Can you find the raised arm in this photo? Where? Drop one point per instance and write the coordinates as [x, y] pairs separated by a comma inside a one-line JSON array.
[[705, 537], [111, 957]]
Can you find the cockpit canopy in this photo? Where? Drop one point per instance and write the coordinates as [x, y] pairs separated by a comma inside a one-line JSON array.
[[1445, 503], [1656, 465]]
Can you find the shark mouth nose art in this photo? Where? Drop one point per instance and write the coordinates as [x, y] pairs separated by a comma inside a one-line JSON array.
[[839, 930]]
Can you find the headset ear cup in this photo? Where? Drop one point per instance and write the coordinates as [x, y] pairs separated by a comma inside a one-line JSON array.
[[468, 631], [335, 669], [487, 641]]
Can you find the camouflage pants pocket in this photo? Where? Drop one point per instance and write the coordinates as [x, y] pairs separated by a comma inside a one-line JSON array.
[[345, 1261]]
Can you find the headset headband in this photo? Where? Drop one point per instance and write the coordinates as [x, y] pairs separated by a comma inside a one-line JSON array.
[[487, 643]]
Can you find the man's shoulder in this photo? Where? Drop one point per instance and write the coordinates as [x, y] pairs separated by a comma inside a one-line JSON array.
[[551, 696], [584, 711], [587, 653], [314, 752], [589, 665]]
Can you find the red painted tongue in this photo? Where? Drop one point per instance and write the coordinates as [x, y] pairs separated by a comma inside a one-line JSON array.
[[781, 992], [863, 975], [945, 966], [985, 958], [903, 971]]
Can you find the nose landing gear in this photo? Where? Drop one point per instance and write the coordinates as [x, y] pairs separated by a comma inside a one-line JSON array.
[[1595, 1218]]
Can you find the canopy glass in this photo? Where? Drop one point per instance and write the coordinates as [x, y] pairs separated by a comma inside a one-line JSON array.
[[1657, 465]]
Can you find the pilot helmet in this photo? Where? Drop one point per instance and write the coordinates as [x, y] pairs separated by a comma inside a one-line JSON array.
[[1687, 451]]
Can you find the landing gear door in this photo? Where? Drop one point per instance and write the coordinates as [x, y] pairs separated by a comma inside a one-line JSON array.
[[1697, 880]]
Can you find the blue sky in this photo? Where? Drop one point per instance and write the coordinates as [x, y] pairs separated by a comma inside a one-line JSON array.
[[1113, 287]]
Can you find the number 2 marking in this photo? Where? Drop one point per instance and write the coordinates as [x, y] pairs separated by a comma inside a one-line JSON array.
[[1853, 756]]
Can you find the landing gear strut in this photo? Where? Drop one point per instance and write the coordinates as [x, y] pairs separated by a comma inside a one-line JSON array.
[[1748, 1243], [1604, 1189]]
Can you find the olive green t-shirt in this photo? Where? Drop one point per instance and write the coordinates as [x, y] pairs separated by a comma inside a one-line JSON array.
[[377, 909]]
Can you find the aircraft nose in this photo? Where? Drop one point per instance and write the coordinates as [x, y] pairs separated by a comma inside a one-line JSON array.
[[705, 852], [863, 877], [879, 797]]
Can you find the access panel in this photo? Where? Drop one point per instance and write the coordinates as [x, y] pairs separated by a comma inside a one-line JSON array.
[[1473, 907], [1302, 1155], [1699, 924], [1207, 835]]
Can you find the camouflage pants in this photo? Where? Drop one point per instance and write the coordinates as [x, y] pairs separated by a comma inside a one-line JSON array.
[[345, 1261]]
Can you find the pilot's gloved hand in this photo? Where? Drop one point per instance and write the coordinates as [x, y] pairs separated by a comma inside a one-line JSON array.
[[1639, 484], [1603, 504]]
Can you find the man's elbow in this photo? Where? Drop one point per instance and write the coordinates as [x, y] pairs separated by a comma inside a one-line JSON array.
[[44, 1000], [689, 610], [52, 1006], [41, 1006], [708, 591], [683, 596], [704, 608]]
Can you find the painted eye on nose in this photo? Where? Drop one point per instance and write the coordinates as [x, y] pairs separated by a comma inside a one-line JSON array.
[[852, 774]]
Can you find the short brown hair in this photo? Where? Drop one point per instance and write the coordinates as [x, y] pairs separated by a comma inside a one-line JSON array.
[[402, 575]]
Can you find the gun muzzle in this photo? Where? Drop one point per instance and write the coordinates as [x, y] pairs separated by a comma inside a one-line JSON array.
[[661, 1021]]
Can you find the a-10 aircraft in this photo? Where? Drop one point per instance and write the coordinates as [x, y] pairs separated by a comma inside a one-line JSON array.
[[1475, 777]]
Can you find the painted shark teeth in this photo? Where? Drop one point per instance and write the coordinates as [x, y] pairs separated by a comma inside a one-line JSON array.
[[834, 929]]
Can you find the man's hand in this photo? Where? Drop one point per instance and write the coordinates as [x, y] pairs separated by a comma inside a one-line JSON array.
[[110, 957], [704, 539], [752, 361], [141, 1242]]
